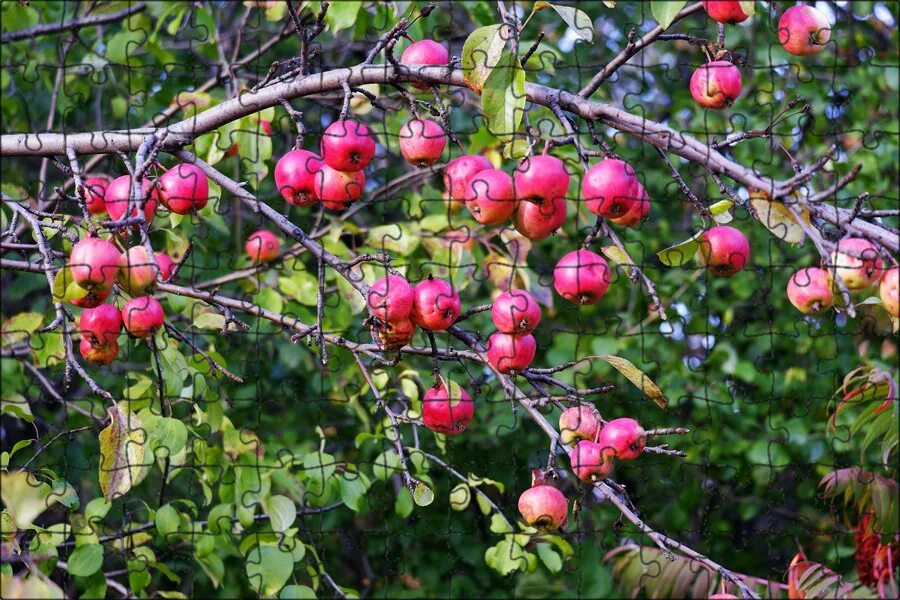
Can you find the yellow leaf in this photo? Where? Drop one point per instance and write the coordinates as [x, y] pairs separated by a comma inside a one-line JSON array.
[[26, 496], [121, 452], [638, 378], [778, 218]]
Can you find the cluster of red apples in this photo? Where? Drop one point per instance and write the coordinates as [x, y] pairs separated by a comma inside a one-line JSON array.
[[595, 446]]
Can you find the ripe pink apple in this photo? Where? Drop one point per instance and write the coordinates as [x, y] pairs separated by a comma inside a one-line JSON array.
[[541, 178], [393, 335], [578, 423], [100, 325], [509, 353], [92, 299], [491, 197], [591, 461], [723, 251], [118, 194], [543, 507], [856, 261], [295, 177], [436, 304], [803, 30], [94, 264], [98, 354], [888, 291], [337, 189], [610, 188], [538, 220], [725, 11], [637, 213], [515, 311], [94, 190], [459, 173], [716, 84], [347, 146], [166, 265], [263, 246], [625, 437], [142, 316], [581, 277], [184, 189], [425, 52], [137, 272], [391, 299], [447, 412], [421, 142], [811, 290]]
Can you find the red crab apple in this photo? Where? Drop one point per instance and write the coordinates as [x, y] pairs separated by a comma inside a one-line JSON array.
[[543, 507], [92, 299], [723, 250], [803, 30], [857, 262], [811, 290], [94, 263], [425, 52], [610, 188], [100, 325], [624, 437], [436, 304], [491, 197], [538, 220], [637, 213], [137, 272], [421, 142], [184, 189], [265, 125], [725, 11], [459, 173], [393, 335], [117, 199], [888, 291], [591, 461], [578, 423], [337, 189], [391, 298], [716, 84], [166, 265], [515, 311], [541, 178], [94, 191], [263, 246], [99, 354], [347, 146], [510, 353], [581, 276], [447, 412], [142, 316], [295, 177]]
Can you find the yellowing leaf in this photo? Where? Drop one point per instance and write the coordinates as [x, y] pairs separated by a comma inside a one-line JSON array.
[[577, 20], [121, 452], [779, 219], [26, 496], [638, 378], [480, 54]]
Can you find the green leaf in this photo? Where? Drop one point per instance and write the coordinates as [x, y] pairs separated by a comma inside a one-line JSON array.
[[507, 557], [665, 11], [681, 253], [503, 97], [17, 406], [576, 19], [342, 15], [481, 53], [403, 505], [638, 378], [297, 592], [64, 287], [422, 495], [167, 520], [549, 557], [209, 320], [121, 452], [460, 497], [86, 560], [281, 511], [386, 464], [499, 524], [269, 568], [353, 488], [719, 211]]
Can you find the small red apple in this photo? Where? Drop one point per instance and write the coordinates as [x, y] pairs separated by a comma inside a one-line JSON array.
[[425, 52], [543, 507], [610, 188], [391, 299], [142, 316], [117, 199], [578, 423], [447, 412], [459, 173], [591, 461], [856, 261], [888, 291], [811, 290], [725, 11], [94, 190], [436, 304], [99, 354], [538, 220], [421, 142], [137, 272], [393, 335], [510, 353], [347, 146], [184, 189], [100, 325], [625, 437], [92, 299], [94, 263], [716, 84], [803, 30], [541, 178], [515, 311], [491, 197], [337, 189], [166, 265], [581, 277], [295, 177], [263, 246], [724, 250]]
